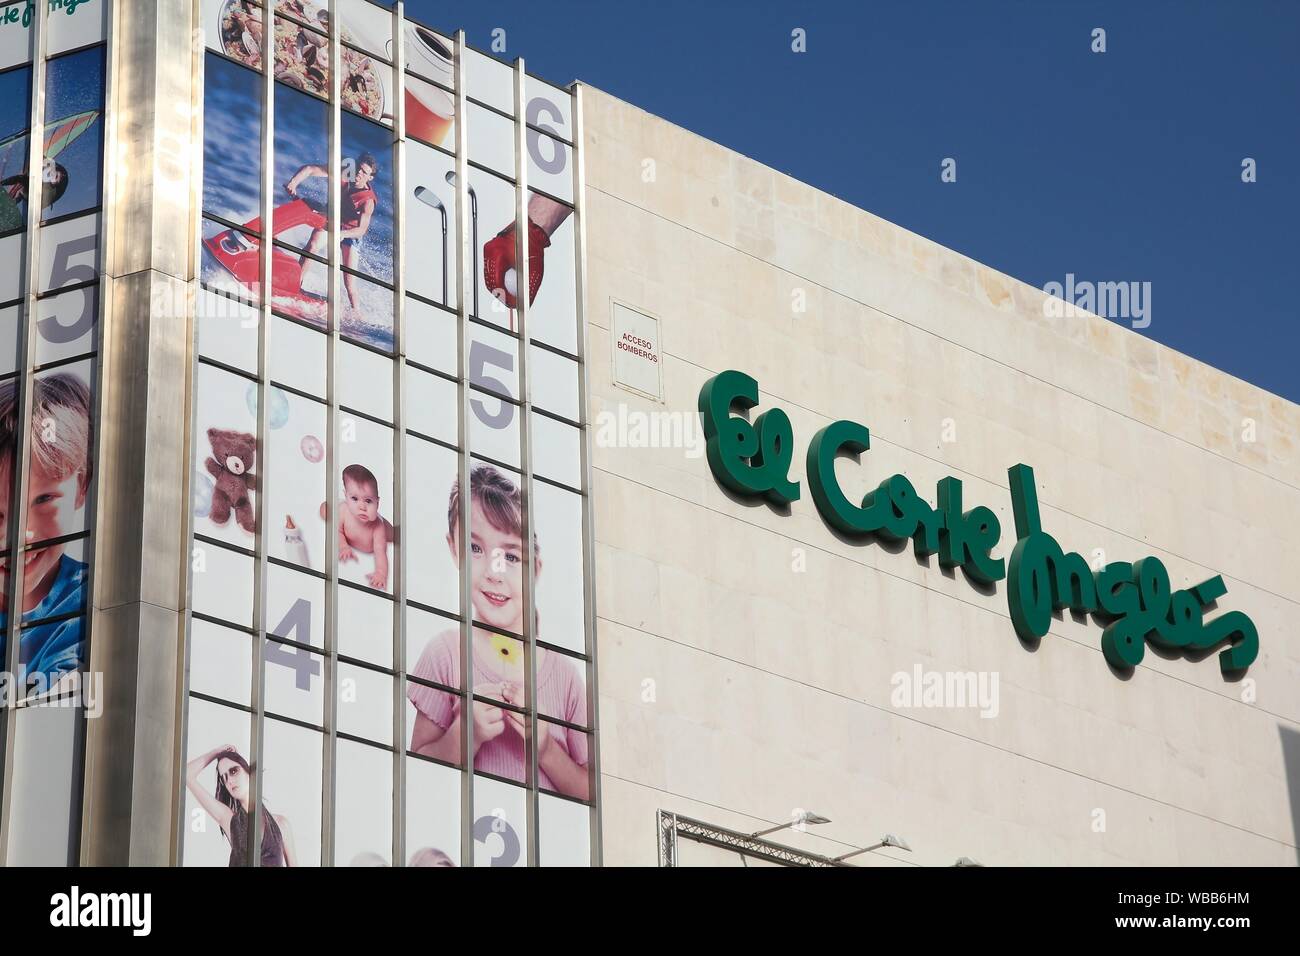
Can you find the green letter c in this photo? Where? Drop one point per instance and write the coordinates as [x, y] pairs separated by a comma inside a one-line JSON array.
[[824, 448]]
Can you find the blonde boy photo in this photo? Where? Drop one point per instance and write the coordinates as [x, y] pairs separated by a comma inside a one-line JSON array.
[[58, 480]]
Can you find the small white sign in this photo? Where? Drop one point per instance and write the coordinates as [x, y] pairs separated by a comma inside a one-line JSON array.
[[637, 360]]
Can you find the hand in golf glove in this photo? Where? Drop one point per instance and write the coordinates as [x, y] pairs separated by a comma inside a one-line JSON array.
[[499, 258]]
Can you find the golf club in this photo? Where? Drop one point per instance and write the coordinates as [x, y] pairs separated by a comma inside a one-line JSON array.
[[473, 217], [430, 198]]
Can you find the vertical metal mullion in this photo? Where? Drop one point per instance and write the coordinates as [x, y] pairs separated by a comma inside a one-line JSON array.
[[523, 282], [588, 530], [104, 307], [464, 260], [265, 286], [399, 438], [17, 505], [334, 179], [198, 74]]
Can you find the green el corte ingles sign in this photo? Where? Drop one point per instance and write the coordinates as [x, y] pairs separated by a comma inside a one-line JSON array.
[[25, 13], [1133, 599]]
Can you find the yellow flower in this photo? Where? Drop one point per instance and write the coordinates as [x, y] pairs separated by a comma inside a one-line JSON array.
[[511, 651]]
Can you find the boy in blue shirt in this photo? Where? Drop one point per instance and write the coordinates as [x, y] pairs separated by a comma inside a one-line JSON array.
[[58, 480]]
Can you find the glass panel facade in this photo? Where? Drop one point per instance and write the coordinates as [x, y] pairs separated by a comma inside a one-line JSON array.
[[386, 608], [50, 300], [379, 511]]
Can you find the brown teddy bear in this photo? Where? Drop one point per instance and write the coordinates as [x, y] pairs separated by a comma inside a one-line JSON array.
[[232, 458]]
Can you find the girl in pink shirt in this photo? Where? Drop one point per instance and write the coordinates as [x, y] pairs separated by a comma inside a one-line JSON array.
[[496, 582]]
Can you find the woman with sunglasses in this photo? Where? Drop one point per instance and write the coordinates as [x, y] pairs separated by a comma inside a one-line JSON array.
[[229, 807]]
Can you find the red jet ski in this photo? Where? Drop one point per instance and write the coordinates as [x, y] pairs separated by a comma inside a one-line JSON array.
[[240, 255]]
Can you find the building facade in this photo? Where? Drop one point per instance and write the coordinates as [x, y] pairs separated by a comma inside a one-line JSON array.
[[477, 422], [784, 654]]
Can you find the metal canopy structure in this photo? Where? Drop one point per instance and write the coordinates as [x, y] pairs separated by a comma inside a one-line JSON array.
[[671, 826]]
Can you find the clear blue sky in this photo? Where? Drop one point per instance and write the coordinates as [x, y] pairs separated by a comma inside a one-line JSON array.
[[1122, 166]]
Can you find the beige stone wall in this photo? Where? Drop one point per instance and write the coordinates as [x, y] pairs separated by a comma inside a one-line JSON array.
[[772, 687]]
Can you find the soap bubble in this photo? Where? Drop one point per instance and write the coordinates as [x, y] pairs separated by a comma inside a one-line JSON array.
[[203, 488], [278, 409], [312, 449]]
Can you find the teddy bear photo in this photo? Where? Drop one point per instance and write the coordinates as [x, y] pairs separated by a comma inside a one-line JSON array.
[[230, 464]]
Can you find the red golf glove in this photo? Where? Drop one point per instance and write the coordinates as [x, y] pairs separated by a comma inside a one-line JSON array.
[[499, 258]]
